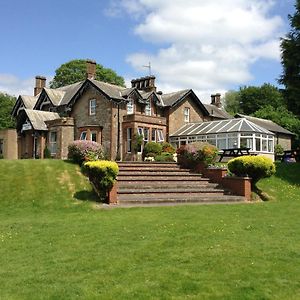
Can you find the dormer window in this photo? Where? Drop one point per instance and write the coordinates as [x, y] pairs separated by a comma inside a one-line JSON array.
[[186, 114], [148, 109], [130, 107], [92, 107]]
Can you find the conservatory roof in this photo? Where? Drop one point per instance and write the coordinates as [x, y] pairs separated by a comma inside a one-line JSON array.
[[218, 127]]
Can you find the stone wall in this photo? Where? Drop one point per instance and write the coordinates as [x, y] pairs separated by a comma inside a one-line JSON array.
[[284, 140], [10, 144]]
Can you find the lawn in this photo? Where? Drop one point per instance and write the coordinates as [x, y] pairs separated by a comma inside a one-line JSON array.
[[56, 244]]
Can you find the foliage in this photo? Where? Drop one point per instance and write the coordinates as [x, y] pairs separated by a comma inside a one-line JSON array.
[[102, 175], [75, 71], [1, 156], [191, 154], [80, 151], [7, 103], [253, 98], [153, 148], [278, 150], [137, 142], [290, 59], [165, 156], [256, 167], [48, 238], [232, 102], [167, 147], [47, 153], [282, 117]]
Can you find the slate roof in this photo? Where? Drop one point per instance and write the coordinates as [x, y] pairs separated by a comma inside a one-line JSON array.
[[268, 124], [217, 112], [222, 126], [172, 98], [111, 90], [55, 95], [37, 118], [69, 92], [29, 101]]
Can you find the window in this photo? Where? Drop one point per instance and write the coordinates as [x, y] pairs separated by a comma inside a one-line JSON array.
[[153, 135], [83, 136], [1, 146], [94, 136], [129, 139], [92, 107], [160, 135], [148, 109], [146, 135], [53, 142], [130, 108], [186, 114]]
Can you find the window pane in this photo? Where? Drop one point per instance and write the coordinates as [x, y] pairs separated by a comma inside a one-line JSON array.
[[270, 146], [186, 114], [146, 134], [130, 108], [148, 109], [129, 138], [246, 143], [83, 135], [264, 145], [257, 144], [153, 135], [221, 144], [93, 107], [160, 135], [232, 142], [94, 136]]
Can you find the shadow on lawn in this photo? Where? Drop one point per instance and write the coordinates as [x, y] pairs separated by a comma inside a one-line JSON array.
[[289, 172], [86, 196]]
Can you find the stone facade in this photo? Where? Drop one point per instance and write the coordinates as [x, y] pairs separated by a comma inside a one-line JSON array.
[[284, 140], [8, 144]]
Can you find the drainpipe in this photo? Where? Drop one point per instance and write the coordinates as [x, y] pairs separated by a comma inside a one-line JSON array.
[[118, 137]]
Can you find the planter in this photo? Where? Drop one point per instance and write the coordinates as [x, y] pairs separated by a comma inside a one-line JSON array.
[[200, 167], [112, 194], [240, 186], [215, 174]]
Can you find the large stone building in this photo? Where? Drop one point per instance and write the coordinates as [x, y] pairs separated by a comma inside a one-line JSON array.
[[108, 114]]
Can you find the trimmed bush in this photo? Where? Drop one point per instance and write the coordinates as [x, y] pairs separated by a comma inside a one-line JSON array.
[[47, 153], [165, 156], [102, 175], [167, 147], [256, 167], [81, 151], [153, 148]]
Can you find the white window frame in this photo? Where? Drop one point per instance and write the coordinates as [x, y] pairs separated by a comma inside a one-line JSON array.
[[187, 114], [130, 107], [148, 109], [160, 135], [96, 135], [83, 135], [53, 142], [92, 107], [129, 140]]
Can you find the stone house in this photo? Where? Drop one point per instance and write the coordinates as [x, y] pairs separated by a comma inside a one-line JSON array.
[[108, 114]]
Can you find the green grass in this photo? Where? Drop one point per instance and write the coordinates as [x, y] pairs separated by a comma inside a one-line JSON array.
[[54, 244]]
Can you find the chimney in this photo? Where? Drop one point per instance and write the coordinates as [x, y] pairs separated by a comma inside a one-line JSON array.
[[216, 100], [40, 83], [90, 69], [146, 84]]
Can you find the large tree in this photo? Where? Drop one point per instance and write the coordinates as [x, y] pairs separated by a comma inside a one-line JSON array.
[[75, 70], [290, 58], [249, 99], [7, 103]]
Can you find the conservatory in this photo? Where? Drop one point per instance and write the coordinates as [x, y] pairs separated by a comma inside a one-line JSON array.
[[226, 134]]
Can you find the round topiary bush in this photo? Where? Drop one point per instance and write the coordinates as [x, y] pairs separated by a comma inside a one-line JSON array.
[[81, 151], [256, 167]]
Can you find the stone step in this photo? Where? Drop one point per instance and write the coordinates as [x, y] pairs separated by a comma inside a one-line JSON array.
[[148, 165], [196, 177], [168, 190], [175, 199], [158, 173], [162, 184], [152, 169]]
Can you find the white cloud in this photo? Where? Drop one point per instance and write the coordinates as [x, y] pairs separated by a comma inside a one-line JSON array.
[[211, 45], [16, 86]]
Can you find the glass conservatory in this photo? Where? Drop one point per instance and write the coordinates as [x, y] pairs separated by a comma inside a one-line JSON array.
[[226, 134]]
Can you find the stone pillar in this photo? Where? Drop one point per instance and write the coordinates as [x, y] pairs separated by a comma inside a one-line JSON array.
[[43, 143]]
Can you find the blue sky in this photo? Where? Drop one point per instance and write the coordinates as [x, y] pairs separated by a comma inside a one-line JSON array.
[[210, 46]]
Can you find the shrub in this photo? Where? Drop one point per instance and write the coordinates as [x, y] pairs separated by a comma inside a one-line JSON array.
[[256, 167], [80, 151], [167, 147], [278, 149], [47, 153], [165, 156], [102, 175], [153, 148], [1, 156], [191, 154]]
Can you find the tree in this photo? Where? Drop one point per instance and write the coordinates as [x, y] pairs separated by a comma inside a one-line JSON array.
[[290, 59], [283, 117], [7, 103], [253, 98], [232, 102], [75, 70]]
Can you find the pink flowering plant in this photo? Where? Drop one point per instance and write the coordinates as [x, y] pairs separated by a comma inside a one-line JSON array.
[[82, 151]]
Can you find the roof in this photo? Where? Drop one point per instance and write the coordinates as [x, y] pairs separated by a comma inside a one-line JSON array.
[[217, 112], [172, 98], [268, 124], [111, 90], [29, 101], [69, 91], [37, 118], [55, 95], [222, 126]]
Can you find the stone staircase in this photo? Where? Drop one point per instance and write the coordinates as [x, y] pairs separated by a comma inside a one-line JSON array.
[[144, 183]]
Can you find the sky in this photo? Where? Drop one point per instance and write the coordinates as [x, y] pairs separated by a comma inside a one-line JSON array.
[[209, 46]]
